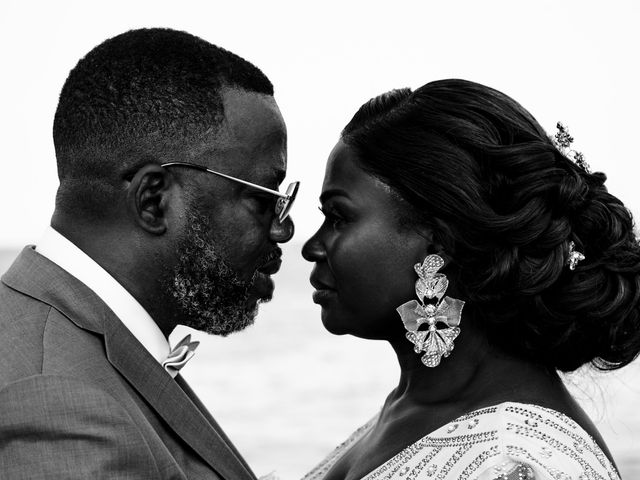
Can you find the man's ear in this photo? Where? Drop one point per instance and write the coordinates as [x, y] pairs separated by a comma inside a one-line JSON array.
[[148, 198]]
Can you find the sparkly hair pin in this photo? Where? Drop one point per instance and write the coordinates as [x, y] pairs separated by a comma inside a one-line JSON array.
[[574, 256], [563, 141]]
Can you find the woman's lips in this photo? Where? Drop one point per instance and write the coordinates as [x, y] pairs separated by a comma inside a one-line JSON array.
[[323, 295], [324, 291]]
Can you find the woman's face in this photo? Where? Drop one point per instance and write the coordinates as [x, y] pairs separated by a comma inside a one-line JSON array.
[[363, 257]]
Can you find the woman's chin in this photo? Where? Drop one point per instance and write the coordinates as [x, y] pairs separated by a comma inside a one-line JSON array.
[[332, 325], [338, 323]]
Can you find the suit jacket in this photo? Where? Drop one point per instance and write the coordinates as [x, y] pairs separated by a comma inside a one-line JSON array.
[[81, 398]]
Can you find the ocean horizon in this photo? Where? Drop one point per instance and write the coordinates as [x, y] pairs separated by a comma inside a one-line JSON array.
[[287, 392]]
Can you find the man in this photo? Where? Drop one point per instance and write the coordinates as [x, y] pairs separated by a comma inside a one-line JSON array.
[[170, 153]]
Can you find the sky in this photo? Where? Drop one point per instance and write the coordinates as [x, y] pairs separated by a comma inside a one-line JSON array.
[[573, 61]]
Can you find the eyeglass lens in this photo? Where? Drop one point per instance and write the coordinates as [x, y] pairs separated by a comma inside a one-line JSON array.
[[284, 204]]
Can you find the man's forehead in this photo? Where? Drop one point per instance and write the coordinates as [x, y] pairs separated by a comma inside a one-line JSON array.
[[264, 166], [251, 141], [251, 116], [269, 166], [270, 174]]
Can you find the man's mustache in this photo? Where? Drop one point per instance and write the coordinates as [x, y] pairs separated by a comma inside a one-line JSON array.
[[274, 254]]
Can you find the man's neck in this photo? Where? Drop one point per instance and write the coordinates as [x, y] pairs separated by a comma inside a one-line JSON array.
[[68, 256], [125, 255]]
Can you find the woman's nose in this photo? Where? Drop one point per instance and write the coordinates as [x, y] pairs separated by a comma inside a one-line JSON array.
[[313, 250], [281, 232]]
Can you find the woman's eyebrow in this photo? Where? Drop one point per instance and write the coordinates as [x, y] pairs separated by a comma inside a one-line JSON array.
[[333, 192]]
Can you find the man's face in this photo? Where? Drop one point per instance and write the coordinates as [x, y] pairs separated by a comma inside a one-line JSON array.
[[228, 246]]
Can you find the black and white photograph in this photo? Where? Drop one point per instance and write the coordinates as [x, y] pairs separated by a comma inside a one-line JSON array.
[[357, 240]]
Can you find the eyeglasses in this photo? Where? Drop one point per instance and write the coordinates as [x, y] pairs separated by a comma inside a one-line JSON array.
[[285, 200]]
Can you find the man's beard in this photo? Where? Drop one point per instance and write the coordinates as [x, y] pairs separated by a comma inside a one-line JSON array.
[[205, 292]]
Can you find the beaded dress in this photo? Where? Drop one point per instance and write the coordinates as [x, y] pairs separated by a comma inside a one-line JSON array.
[[509, 441]]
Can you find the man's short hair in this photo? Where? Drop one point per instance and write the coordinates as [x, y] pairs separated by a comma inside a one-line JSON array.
[[139, 94]]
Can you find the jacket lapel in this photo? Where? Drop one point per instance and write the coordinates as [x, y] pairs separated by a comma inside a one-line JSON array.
[[171, 402], [194, 398], [40, 278]]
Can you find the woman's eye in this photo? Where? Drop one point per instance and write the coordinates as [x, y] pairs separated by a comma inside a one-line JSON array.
[[331, 216]]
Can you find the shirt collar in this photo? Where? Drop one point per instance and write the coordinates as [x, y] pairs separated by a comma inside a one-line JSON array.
[[69, 257]]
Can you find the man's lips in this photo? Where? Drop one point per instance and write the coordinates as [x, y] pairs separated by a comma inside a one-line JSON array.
[[270, 267], [261, 289]]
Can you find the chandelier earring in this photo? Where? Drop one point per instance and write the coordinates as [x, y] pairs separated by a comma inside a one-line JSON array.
[[432, 309]]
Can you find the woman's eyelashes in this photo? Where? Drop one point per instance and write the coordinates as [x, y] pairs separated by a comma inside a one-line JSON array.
[[332, 215]]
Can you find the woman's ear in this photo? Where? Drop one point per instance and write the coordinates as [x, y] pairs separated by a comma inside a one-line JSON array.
[[429, 247], [433, 245], [148, 197]]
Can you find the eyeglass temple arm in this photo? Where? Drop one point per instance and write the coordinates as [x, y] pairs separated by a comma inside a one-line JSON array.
[[244, 182]]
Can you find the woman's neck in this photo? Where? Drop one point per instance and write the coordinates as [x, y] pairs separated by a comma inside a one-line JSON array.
[[476, 374]]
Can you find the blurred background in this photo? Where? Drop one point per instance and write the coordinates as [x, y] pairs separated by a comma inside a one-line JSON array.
[[285, 390]]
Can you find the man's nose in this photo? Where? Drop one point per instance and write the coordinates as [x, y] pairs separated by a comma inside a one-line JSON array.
[[281, 232]]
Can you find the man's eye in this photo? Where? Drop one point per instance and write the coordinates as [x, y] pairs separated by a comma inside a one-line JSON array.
[[263, 203]]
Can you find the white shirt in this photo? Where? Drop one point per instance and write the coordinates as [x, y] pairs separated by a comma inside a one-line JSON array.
[[69, 257]]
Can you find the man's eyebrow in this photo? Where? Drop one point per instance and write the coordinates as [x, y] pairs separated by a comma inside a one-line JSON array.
[[333, 192], [271, 179], [280, 174]]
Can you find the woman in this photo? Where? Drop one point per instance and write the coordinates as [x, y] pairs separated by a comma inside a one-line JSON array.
[[452, 219]]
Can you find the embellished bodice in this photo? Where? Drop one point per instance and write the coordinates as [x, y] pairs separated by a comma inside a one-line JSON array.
[[510, 441]]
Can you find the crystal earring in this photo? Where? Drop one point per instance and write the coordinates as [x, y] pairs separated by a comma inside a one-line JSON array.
[[435, 342]]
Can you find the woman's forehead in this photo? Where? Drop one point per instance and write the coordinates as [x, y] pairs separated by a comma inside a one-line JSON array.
[[344, 174]]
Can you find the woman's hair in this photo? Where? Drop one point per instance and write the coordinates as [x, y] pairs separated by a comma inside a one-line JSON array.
[[505, 203]]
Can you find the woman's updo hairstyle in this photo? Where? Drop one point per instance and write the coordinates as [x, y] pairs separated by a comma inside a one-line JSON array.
[[504, 203]]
